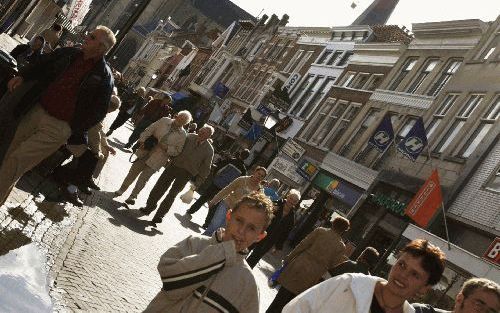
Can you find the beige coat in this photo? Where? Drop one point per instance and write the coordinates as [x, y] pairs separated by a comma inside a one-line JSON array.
[[167, 147], [320, 250], [236, 190]]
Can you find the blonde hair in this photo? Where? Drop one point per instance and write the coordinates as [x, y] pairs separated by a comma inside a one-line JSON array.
[[260, 202], [109, 38], [186, 115]]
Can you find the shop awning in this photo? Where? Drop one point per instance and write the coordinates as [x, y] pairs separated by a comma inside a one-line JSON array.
[[457, 256]]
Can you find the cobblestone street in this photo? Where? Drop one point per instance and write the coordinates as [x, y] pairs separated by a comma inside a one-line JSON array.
[[101, 257]]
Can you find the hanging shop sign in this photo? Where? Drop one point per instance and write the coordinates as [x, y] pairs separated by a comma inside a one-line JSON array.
[[493, 253], [287, 168], [338, 188], [291, 82], [293, 149], [388, 203], [307, 170]]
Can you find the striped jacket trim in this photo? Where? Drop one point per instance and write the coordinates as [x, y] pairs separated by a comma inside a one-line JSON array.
[[215, 300], [192, 277]]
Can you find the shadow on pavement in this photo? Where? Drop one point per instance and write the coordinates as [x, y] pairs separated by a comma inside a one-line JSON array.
[[186, 222], [12, 239], [118, 144], [19, 215], [122, 216], [54, 211]]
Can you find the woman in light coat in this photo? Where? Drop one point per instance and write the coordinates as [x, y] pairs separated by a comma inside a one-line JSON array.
[[171, 136], [231, 194]]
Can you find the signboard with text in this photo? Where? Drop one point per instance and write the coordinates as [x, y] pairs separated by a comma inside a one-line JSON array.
[[493, 253], [287, 168], [338, 188], [293, 149]]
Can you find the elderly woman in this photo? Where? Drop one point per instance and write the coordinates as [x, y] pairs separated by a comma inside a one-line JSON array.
[[171, 136], [278, 230], [232, 193]]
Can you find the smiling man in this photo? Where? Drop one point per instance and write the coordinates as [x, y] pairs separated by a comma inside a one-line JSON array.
[[419, 267]]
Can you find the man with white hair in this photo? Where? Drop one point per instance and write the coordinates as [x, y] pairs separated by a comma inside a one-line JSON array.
[[70, 93], [171, 136], [193, 163]]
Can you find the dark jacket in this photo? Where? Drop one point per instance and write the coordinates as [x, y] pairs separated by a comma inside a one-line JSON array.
[[23, 57], [94, 94], [280, 226], [427, 308], [349, 267]]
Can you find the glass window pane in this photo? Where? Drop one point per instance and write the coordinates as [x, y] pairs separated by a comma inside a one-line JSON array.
[[475, 140], [494, 110], [432, 127], [446, 105], [450, 135], [470, 105]]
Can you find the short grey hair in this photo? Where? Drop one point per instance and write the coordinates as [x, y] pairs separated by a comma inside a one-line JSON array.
[[212, 130], [294, 192], [186, 115], [109, 39]]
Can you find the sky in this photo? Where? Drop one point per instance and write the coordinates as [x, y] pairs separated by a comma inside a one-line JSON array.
[[329, 13]]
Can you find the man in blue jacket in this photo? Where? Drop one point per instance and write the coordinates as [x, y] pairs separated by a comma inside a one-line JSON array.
[[71, 94]]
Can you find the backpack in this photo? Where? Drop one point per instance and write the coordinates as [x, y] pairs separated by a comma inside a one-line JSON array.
[[226, 175]]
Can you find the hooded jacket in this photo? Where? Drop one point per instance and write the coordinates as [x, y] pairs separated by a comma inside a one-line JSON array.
[[347, 293]]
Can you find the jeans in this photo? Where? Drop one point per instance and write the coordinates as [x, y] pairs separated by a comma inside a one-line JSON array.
[[219, 219]]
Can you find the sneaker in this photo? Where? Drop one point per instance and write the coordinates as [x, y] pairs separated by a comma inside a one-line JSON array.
[[118, 193], [130, 201], [155, 220]]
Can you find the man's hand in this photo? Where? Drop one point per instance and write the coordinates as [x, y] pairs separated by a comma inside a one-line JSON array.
[[15, 82]]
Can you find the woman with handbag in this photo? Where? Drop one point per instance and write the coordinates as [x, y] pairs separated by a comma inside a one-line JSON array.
[[161, 141]]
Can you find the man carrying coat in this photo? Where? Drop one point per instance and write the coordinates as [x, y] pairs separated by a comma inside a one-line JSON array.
[[71, 94]]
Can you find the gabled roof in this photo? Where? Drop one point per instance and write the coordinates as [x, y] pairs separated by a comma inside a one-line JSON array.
[[223, 12], [150, 26]]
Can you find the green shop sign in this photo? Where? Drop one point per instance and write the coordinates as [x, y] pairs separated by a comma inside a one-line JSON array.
[[390, 204], [338, 188]]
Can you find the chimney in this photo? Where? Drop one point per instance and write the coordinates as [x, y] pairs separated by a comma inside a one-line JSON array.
[[284, 20], [273, 21], [263, 20]]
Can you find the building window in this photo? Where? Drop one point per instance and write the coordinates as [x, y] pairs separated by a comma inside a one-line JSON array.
[[374, 82], [469, 107], [335, 57], [360, 81], [318, 130], [447, 74], [410, 122], [440, 113], [346, 80], [426, 69], [303, 61], [345, 59], [293, 61], [367, 122], [342, 120], [494, 181], [318, 96], [407, 67], [460, 120], [324, 57], [304, 92], [486, 123]]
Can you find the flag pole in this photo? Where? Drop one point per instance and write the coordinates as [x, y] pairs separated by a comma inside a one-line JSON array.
[[442, 202]]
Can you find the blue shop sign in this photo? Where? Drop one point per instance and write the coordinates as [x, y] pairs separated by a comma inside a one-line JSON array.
[[338, 188]]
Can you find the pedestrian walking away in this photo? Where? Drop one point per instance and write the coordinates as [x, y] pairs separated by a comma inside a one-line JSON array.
[[230, 195], [72, 94], [128, 107], [153, 111], [209, 274], [171, 137], [226, 171], [193, 163], [281, 225], [309, 261]]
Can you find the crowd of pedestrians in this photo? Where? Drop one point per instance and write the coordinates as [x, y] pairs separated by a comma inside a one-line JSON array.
[[58, 102]]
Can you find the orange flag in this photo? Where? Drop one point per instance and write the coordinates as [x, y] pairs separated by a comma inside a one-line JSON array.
[[426, 202]]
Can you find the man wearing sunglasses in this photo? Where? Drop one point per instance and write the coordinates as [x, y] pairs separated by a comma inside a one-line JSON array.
[[70, 93]]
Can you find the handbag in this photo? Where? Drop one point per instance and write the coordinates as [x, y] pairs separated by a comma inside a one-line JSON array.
[[188, 196], [149, 144]]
